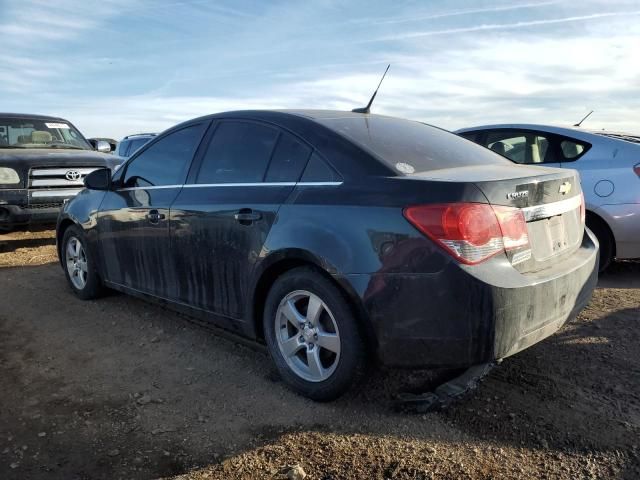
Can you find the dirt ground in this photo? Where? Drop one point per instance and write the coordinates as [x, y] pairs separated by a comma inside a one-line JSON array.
[[118, 388]]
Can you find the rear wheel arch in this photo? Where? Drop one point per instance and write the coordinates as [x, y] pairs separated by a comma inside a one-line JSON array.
[[284, 265], [601, 228]]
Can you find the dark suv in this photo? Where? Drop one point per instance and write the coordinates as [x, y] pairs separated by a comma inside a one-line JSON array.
[[43, 161], [129, 144]]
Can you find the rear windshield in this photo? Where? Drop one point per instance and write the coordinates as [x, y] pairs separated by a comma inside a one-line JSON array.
[[411, 147], [38, 133]]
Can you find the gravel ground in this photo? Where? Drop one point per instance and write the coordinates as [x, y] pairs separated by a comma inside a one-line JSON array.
[[118, 388]]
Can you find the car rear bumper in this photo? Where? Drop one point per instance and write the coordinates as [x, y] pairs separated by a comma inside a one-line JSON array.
[[26, 207], [624, 221], [462, 316]]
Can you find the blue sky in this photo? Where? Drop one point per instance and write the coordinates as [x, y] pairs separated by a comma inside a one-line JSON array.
[[115, 67]]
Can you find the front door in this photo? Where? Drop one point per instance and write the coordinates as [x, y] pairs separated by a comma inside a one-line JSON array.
[[221, 218], [133, 222]]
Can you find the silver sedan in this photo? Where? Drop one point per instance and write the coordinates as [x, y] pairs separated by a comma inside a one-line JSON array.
[[609, 166]]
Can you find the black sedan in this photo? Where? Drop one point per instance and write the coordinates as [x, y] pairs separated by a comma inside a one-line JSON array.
[[336, 238]]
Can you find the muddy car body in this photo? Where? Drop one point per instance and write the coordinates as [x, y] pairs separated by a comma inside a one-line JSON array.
[[336, 236], [43, 161]]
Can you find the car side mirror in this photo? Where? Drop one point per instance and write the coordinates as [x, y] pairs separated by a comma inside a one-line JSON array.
[[98, 179], [103, 146]]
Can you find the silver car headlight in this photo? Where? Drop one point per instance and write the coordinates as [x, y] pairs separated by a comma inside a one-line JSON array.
[[8, 176]]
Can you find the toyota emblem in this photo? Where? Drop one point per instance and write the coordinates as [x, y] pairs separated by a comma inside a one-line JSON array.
[[72, 175]]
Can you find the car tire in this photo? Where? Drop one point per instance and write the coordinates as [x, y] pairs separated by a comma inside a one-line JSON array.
[[605, 239], [79, 266], [319, 353]]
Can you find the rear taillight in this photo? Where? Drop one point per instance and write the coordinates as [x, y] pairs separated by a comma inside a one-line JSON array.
[[636, 169], [583, 209], [471, 232]]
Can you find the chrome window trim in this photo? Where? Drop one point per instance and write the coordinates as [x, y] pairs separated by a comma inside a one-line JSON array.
[[256, 184], [153, 187], [320, 184], [551, 209]]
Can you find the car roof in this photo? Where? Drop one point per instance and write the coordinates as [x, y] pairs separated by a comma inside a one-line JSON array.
[[288, 114], [328, 114], [30, 116], [348, 157]]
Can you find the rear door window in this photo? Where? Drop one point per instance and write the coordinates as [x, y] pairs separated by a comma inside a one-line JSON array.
[[319, 171], [288, 160], [239, 152]]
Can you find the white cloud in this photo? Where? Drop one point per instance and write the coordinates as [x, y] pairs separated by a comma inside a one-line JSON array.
[[417, 17], [503, 26]]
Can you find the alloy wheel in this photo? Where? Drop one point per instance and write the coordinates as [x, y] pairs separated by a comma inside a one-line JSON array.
[[76, 260], [307, 336]]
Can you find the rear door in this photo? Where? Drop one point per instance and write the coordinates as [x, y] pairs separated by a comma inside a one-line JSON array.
[[133, 221], [221, 219]]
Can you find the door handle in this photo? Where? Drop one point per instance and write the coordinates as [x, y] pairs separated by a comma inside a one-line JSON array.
[[154, 216], [246, 216]]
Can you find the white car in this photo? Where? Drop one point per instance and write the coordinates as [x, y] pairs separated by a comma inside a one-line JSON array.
[[609, 166]]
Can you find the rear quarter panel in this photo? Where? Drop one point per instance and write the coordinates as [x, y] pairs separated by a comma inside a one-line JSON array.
[[606, 173], [359, 228]]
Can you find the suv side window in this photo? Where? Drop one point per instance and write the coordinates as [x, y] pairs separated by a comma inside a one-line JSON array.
[[165, 162], [123, 147], [288, 160], [135, 144], [239, 152], [521, 146]]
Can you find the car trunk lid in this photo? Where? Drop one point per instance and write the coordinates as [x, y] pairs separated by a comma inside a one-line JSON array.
[[549, 198]]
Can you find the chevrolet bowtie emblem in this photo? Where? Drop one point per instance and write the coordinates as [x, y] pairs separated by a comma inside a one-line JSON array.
[[565, 188]]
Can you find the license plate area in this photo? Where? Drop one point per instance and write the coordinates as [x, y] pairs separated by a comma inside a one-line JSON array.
[[557, 234], [552, 236]]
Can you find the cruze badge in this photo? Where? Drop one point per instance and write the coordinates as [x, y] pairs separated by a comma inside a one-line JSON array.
[[516, 195], [72, 175], [565, 188]]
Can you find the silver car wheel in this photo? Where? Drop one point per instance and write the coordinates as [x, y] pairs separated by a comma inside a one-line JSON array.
[[307, 336], [76, 260]]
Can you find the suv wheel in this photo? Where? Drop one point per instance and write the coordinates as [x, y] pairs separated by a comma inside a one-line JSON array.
[[312, 335], [78, 265]]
